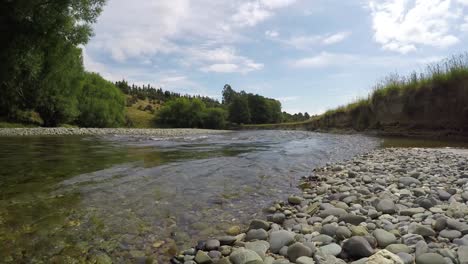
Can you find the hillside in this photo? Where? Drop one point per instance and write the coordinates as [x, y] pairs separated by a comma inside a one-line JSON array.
[[140, 114], [434, 103]]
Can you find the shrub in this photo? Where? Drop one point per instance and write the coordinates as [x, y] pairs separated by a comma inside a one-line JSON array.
[[101, 103]]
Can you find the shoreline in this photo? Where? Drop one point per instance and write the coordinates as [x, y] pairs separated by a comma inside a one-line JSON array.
[[63, 131], [395, 205]]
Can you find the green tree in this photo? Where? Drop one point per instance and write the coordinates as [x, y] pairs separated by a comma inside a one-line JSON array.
[[239, 110], [56, 94], [31, 30], [228, 94], [182, 113], [214, 118], [101, 103]]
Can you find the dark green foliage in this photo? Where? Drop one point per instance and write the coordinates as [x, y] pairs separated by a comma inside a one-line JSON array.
[[214, 118], [239, 111], [40, 61], [190, 113], [147, 92], [101, 103], [250, 108], [298, 117], [56, 94], [228, 94]]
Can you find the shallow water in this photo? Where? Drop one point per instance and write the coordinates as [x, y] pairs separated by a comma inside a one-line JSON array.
[[70, 198]]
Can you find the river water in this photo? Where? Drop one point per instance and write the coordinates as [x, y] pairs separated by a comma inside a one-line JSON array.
[[70, 199]]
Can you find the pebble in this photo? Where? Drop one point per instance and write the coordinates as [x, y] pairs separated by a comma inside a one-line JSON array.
[[391, 206]]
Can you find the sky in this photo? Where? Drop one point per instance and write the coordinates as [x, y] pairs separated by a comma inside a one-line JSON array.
[[312, 55]]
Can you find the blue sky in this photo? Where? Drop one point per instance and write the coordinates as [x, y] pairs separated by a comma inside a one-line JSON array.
[[312, 55]]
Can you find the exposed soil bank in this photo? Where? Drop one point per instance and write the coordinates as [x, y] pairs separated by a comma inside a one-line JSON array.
[[105, 131]]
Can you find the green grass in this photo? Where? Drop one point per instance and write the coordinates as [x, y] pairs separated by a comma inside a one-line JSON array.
[[138, 117]]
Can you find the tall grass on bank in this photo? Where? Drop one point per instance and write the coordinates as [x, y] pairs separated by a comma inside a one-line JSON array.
[[434, 99]]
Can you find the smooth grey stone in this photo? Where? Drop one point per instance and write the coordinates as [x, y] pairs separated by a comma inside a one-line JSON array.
[[323, 239], [260, 247], [342, 233], [331, 249], [421, 248], [406, 258], [279, 239], [463, 254], [418, 229], [409, 180], [443, 195], [384, 238], [430, 258], [450, 234], [202, 258], [305, 260], [398, 248], [256, 234], [295, 200], [412, 211], [386, 206], [329, 229], [358, 247], [245, 256], [214, 254], [212, 244], [352, 219], [297, 250], [278, 218], [440, 224], [259, 224]]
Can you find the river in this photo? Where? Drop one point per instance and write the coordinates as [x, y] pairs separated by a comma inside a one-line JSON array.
[[70, 198]]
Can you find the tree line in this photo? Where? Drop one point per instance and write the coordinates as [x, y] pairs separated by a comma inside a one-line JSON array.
[[42, 70], [147, 92]]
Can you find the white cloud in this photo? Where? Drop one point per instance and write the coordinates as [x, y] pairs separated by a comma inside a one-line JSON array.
[[309, 41], [145, 29], [223, 60], [464, 26], [336, 38], [404, 25], [272, 33], [326, 59], [252, 12]]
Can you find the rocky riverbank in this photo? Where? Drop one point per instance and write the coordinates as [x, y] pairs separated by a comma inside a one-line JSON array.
[[42, 131], [390, 206]]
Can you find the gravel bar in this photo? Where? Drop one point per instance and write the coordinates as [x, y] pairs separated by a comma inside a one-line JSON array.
[[390, 206], [105, 131]]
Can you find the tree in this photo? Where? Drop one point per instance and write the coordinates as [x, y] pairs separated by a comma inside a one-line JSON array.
[[239, 110], [30, 31], [57, 90], [101, 103], [214, 118], [182, 113], [228, 94]]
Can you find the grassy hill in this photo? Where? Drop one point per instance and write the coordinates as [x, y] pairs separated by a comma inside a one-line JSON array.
[[431, 103], [140, 114]]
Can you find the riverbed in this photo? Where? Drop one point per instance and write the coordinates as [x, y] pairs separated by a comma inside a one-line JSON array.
[[138, 197]]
